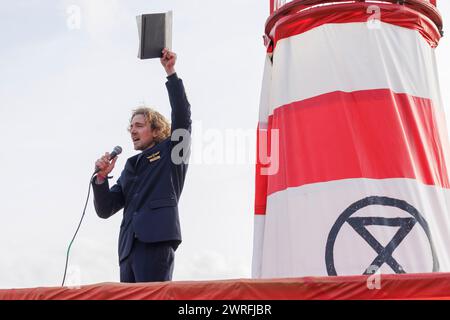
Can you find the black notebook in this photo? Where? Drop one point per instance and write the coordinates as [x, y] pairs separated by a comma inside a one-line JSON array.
[[155, 34]]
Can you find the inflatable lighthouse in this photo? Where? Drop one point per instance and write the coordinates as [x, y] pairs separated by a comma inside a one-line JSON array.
[[353, 153]]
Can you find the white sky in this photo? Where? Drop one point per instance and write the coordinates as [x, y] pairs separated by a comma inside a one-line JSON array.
[[65, 98]]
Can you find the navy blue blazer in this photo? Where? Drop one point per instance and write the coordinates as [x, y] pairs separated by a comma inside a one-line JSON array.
[[150, 185]]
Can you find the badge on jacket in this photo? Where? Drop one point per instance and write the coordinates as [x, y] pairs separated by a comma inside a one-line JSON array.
[[153, 157]]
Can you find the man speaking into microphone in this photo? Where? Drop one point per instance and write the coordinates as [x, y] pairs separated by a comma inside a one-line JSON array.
[[149, 186]]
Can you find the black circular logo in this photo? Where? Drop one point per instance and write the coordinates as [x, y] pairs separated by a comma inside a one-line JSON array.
[[384, 252]]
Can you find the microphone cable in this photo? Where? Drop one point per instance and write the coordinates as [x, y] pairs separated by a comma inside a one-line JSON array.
[[78, 228]]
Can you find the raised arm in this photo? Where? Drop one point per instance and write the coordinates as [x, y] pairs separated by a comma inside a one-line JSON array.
[[181, 109]]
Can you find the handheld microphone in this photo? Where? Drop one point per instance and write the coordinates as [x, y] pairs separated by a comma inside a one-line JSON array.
[[116, 151]]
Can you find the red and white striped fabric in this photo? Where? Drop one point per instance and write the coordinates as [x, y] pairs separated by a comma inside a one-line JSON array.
[[353, 152]]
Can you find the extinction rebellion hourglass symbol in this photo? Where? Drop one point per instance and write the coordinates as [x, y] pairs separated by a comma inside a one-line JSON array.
[[384, 253]]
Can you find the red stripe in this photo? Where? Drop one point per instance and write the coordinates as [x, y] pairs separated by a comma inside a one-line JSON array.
[[304, 21], [260, 179], [373, 134]]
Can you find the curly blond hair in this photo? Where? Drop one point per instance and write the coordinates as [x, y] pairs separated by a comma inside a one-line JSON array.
[[156, 120]]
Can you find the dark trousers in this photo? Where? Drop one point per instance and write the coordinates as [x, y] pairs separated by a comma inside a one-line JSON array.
[[148, 262]]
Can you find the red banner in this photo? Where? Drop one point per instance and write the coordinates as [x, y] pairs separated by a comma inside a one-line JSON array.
[[407, 286]]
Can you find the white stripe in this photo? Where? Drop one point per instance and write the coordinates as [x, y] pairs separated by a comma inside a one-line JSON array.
[[298, 222], [351, 57], [264, 105], [258, 240]]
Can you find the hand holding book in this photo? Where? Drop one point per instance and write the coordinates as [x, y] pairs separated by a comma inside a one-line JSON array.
[[168, 60]]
